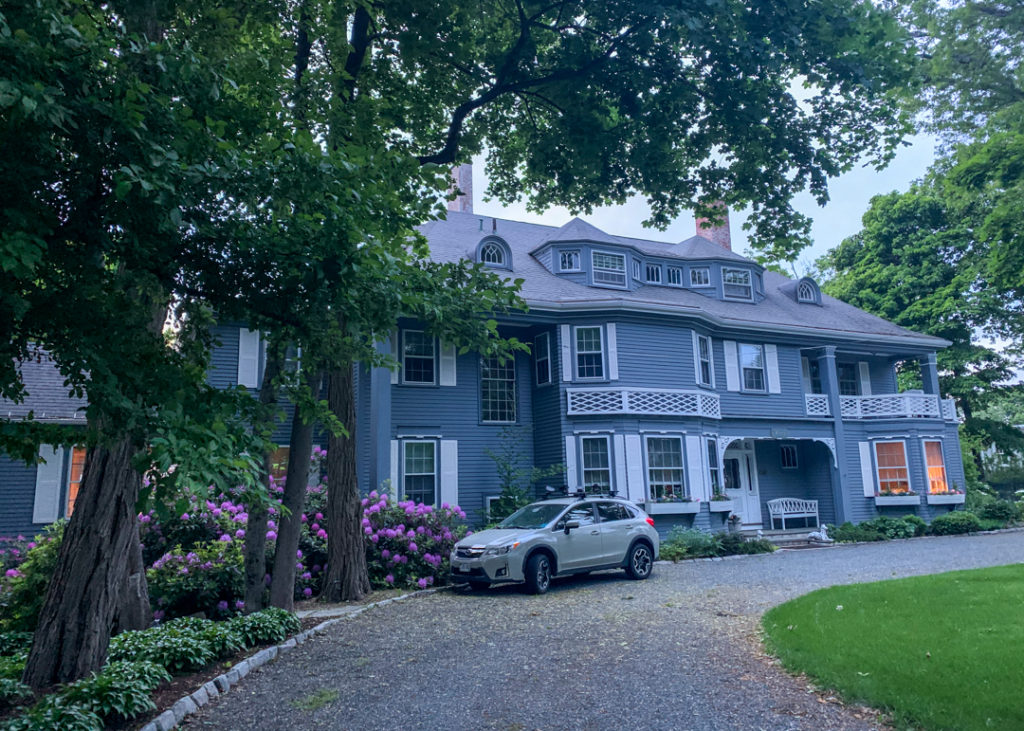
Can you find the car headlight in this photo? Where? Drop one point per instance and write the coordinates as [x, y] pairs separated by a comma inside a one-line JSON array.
[[501, 550]]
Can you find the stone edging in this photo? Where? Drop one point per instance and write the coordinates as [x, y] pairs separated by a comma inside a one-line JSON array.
[[220, 685]]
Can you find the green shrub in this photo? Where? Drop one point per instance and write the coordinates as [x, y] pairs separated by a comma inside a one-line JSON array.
[[889, 528], [850, 533], [955, 523], [999, 510], [208, 578], [672, 552], [22, 599], [13, 692], [991, 524], [692, 543], [121, 690], [222, 639], [178, 649], [56, 712], [919, 524], [731, 544], [269, 625]]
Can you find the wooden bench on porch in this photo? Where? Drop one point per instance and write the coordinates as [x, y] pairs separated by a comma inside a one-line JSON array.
[[791, 507]]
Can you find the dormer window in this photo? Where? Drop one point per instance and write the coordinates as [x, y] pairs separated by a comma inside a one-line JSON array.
[[654, 274], [636, 269], [494, 252], [736, 284], [675, 276], [807, 292], [700, 277], [569, 261], [609, 268]]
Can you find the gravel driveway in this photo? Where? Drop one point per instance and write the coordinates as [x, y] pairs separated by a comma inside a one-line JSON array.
[[678, 651]]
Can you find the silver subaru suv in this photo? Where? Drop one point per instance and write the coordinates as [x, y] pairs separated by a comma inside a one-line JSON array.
[[571, 535]]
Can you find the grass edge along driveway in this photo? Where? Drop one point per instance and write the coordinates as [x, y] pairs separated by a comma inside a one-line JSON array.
[[944, 651]]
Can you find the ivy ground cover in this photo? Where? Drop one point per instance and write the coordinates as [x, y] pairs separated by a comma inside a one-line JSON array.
[[940, 652]]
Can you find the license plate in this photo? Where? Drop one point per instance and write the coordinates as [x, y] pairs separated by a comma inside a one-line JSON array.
[[464, 569]]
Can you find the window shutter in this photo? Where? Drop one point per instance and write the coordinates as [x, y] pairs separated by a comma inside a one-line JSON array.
[[635, 490], [566, 338], [248, 357], [450, 471], [771, 358], [732, 366], [393, 340], [696, 357], [867, 475], [805, 367], [613, 353], [621, 483], [695, 472], [571, 480], [394, 469], [865, 378], [711, 359], [49, 476], [448, 361]]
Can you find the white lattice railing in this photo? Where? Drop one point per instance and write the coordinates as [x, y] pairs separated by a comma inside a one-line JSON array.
[[651, 401], [817, 404], [949, 410], [894, 405]]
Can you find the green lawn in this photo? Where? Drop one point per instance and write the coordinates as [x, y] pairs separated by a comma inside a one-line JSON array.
[[942, 652]]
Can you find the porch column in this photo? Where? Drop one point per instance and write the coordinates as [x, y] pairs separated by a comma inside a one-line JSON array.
[[830, 385], [380, 421], [929, 373]]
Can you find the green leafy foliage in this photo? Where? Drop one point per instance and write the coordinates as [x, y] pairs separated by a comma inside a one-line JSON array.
[[269, 625], [120, 691], [919, 524], [954, 523], [207, 577], [21, 597], [1002, 511], [683, 543], [13, 692], [178, 649]]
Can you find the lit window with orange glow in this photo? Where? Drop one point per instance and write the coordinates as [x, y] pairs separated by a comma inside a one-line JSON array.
[[936, 466], [891, 460], [75, 476]]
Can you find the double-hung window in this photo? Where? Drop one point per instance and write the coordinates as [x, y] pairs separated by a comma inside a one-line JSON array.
[[704, 360], [589, 353], [636, 269], [752, 367], [654, 274], [608, 268], [542, 358], [420, 473], [498, 390], [597, 464], [849, 379], [675, 276], [936, 466], [75, 471], [419, 357], [700, 277], [736, 284], [891, 464], [665, 469], [569, 261], [714, 468]]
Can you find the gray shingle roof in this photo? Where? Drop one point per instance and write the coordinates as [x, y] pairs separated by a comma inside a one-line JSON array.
[[47, 397], [458, 236]]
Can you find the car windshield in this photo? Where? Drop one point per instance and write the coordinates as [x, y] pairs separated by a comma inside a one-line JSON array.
[[537, 515]]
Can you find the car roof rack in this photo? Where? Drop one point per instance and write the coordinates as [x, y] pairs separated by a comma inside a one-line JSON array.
[[581, 493]]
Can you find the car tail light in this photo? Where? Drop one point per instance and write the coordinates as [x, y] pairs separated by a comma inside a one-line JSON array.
[[650, 521]]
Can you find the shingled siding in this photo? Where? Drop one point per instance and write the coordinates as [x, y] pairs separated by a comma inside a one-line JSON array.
[[453, 412], [811, 480]]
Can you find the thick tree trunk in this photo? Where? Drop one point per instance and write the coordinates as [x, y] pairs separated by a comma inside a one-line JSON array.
[[300, 449], [255, 548], [134, 612], [347, 577], [87, 586]]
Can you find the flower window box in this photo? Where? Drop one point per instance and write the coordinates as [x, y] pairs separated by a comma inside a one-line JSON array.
[[897, 499], [677, 507], [722, 506], [946, 498]]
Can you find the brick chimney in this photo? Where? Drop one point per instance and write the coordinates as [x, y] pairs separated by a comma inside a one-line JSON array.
[[717, 233], [462, 182]]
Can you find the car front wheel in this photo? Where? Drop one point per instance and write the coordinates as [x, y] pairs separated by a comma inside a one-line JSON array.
[[640, 562], [538, 573]]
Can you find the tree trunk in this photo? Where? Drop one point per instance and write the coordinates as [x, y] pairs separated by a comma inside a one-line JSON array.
[[135, 612], [88, 582], [255, 548], [347, 578], [300, 449]]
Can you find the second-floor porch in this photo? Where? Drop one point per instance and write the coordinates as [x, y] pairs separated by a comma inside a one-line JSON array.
[[908, 405]]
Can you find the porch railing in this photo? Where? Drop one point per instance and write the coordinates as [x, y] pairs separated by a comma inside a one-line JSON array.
[[649, 401], [897, 405], [817, 404]]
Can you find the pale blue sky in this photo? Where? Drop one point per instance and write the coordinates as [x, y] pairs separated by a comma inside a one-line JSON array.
[[841, 217]]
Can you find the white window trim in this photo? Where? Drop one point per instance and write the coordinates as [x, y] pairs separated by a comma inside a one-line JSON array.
[[606, 438], [578, 256], [494, 246], [750, 283], [638, 268], [711, 362], [682, 462], [707, 275], [515, 395], [764, 368], [711, 447], [924, 458], [594, 269], [652, 269], [668, 276], [547, 360], [437, 364], [874, 461], [576, 354], [405, 443]]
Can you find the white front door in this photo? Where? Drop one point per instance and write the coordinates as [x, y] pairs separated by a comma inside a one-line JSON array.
[[740, 468]]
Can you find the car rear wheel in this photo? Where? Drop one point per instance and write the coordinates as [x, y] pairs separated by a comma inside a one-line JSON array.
[[641, 562], [538, 573]]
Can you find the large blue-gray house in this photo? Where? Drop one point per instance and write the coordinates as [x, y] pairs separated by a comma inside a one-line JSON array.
[[681, 375]]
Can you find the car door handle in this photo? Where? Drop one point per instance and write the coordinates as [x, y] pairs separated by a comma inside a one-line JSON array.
[[594, 532]]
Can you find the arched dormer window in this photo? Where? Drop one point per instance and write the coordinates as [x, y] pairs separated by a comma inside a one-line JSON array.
[[807, 292], [494, 252]]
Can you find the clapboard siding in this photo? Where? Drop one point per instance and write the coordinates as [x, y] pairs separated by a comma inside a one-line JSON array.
[[811, 480], [17, 493], [223, 372]]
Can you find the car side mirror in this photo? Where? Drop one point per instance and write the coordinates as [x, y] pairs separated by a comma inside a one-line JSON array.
[[570, 525]]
